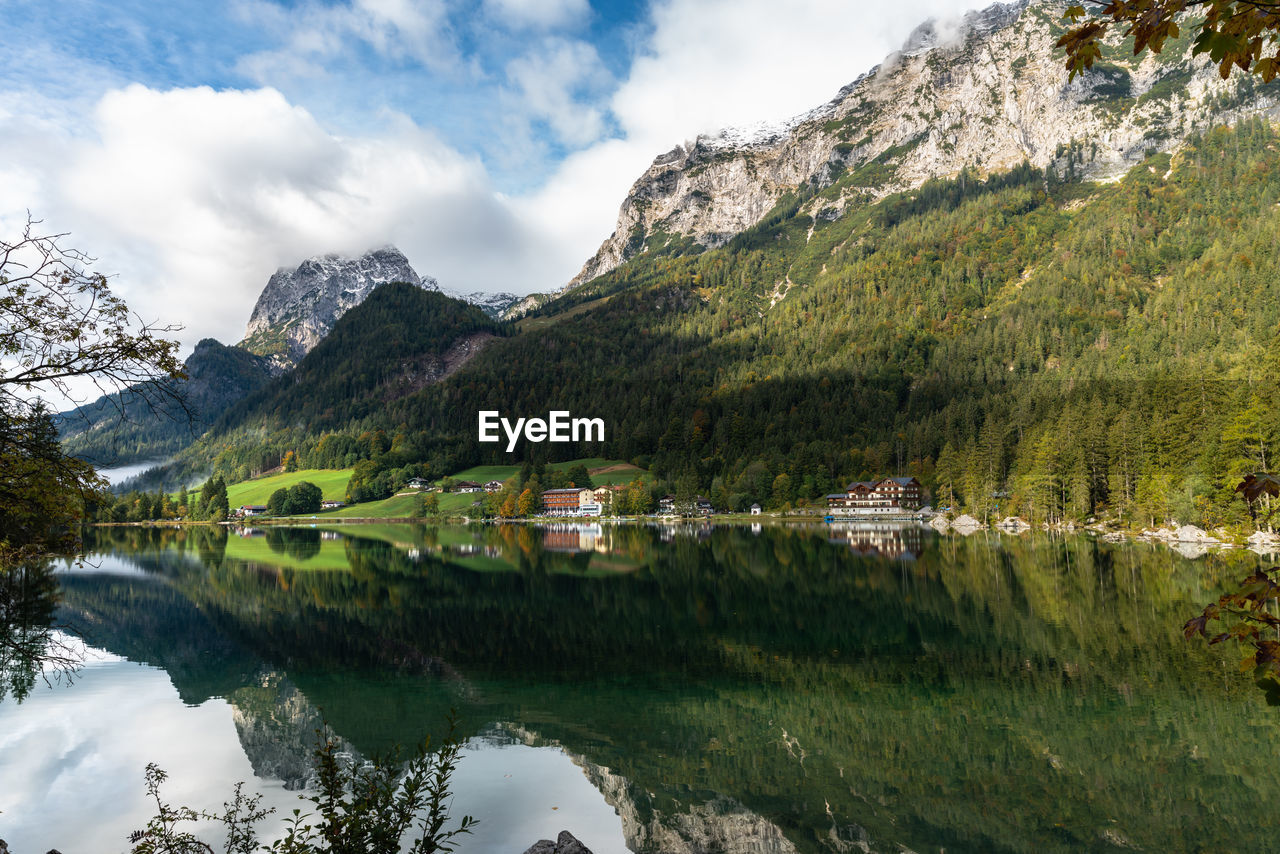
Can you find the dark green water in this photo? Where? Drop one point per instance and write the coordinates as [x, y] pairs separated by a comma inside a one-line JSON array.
[[719, 689]]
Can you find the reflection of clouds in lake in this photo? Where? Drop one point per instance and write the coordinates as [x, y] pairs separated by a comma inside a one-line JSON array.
[[103, 564], [71, 759], [522, 794]]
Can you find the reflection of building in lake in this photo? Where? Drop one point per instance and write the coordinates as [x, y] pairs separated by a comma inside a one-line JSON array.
[[879, 538], [574, 538], [698, 530]]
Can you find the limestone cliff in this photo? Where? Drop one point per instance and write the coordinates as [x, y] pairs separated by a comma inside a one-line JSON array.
[[987, 92]]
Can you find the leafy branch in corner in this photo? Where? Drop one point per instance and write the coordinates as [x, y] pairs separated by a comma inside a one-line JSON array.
[[1249, 614], [1242, 34]]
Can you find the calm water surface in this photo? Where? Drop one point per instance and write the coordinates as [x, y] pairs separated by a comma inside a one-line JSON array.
[[662, 689]]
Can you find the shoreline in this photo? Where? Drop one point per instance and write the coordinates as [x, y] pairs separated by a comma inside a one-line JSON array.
[[1184, 538]]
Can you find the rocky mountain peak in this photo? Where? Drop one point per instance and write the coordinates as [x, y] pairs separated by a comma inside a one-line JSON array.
[[299, 306], [987, 93]]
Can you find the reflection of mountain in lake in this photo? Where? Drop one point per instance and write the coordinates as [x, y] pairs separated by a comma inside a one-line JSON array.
[[997, 694], [719, 825], [278, 729]]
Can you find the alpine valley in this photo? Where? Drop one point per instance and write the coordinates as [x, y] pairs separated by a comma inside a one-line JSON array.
[[1056, 297]]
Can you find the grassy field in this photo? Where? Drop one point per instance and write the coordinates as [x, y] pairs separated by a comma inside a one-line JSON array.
[[332, 483], [529, 324], [399, 507]]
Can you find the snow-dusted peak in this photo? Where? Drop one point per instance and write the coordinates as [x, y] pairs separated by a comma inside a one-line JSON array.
[[299, 306]]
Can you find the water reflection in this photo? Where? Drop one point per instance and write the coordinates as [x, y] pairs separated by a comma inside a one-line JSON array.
[[31, 646], [727, 689]]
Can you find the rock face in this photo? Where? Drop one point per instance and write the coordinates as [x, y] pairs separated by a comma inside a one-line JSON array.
[[298, 307], [988, 93], [566, 843]]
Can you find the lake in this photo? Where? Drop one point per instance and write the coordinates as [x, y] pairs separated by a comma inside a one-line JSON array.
[[686, 688]]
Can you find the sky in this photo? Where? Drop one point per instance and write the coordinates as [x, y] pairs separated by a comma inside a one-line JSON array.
[[193, 148]]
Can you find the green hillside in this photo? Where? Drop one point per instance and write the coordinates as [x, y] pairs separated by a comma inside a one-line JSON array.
[[332, 483], [217, 377], [1022, 342], [385, 348]]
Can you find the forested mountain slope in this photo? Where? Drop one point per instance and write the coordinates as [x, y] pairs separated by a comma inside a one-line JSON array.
[[1057, 348], [123, 428], [400, 340]]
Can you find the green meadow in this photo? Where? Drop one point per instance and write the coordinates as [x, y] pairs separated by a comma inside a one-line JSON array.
[[332, 483]]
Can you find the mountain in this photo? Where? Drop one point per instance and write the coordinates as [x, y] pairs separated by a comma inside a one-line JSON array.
[[1053, 341], [298, 307], [399, 340], [987, 93], [121, 428]]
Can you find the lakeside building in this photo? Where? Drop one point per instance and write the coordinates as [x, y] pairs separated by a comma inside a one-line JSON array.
[[421, 484], [469, 486], [251, 510], [888, 496], [698, 507], [493, 486], [331, 505], [604, 494], [570, 502]]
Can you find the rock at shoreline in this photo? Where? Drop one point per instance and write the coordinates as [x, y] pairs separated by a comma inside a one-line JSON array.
[[939, 523], [967, 523], [566, 843], [1192, 534], [1015, 524]]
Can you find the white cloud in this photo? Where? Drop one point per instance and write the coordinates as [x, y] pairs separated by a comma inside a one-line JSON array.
[[557, 84], [717, 63], [416, 30], [540, 14], [194, 197]]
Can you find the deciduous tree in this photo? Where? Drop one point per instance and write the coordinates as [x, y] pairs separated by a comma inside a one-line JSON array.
[[1242, 34]]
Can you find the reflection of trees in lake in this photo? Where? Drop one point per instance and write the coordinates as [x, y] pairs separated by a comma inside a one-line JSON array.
[[301, 543], [30, 646], [994, 694]]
